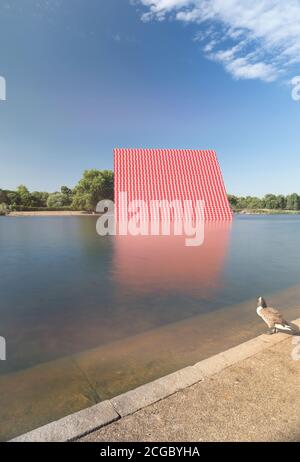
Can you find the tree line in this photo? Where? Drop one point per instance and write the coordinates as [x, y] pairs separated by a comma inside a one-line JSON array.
[[96, 185], [268, 202]]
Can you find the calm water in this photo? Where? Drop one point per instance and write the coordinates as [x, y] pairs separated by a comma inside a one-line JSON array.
[[67, 293]]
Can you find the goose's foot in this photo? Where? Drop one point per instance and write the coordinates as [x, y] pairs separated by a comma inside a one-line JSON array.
[[271, 331]]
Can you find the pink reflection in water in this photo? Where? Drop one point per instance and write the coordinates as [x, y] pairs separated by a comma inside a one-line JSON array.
[[164, 263]]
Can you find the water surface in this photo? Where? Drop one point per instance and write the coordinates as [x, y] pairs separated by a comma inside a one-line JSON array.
[[87, 317]]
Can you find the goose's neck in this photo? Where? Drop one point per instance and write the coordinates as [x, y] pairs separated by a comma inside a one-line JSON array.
[[259, 309]]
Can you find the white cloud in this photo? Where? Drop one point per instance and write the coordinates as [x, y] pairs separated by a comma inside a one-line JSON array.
[[243, 69], [253, 39]]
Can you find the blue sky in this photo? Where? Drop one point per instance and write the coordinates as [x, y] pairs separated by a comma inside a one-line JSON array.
[[85, 76]]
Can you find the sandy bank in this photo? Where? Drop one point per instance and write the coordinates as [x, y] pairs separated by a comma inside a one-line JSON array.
[[53, 213]]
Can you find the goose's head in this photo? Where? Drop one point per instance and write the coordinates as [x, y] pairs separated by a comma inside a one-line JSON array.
[[261, 302]]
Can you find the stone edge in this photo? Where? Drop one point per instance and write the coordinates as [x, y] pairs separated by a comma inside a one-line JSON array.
[[81, 423]]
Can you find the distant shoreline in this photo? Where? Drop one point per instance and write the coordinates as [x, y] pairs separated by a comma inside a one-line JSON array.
[[64, 213], [266, 212]]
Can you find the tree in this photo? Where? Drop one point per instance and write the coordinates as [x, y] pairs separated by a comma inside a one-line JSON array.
[[57, 200], [39, 199], [233, 201], [68, 194], [242, 203], [3, 197], [293, 202], [93, 187], [271, 201], [13, 198], [254, 203], [24, 195], [3, 208], [282, 202]]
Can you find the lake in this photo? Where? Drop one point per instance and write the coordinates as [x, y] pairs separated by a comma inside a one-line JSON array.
[[87, 317]]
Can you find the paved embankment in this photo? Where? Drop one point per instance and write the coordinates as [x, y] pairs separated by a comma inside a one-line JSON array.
[[248, 393]]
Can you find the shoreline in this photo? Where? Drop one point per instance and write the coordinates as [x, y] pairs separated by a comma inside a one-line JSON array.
[[67, 213], [104, 414], [113, 368], [266, 212], [64, 213]]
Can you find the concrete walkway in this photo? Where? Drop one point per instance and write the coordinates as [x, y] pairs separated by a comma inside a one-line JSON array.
[[255, 398]]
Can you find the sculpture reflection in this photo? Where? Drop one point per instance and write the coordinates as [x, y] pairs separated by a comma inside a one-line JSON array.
[[164, 263]]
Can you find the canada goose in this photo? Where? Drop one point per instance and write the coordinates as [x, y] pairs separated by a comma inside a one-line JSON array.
[[272, 317]]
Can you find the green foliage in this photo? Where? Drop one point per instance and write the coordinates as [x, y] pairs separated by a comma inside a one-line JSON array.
[[67, 195], [293, 202], [21, 208], [3, 208], [57, 200], [23, 198], [39, 199], [24, 195], [3, 197], [13, 198], [233, 201], [268, 202], [94, 186], [66, 191]]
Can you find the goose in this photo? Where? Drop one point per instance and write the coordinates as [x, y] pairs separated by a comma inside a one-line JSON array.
[[272, 317]]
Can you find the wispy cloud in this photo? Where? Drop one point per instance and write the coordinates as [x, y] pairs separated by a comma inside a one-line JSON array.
[[116, 37], [253, 39]]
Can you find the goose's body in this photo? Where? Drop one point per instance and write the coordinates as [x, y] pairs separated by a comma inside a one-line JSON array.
[[272, 317]]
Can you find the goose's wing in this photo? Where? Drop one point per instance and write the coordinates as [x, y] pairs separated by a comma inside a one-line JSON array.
[[273, 315]]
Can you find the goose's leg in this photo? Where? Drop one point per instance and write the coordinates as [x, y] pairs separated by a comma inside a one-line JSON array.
[[271, 331]]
